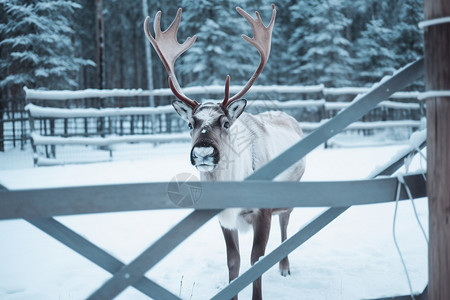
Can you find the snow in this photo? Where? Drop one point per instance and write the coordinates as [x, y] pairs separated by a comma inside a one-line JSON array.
[[53, 112], [352, 258], [433, 22], [417, 138], [433, 94], [109, 140], [273, 104], [200, 90], [309, 126]]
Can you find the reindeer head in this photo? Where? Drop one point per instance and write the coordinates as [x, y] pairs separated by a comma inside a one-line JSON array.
[[209, 123]]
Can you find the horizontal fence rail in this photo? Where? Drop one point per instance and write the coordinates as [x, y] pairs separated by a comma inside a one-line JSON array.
[[202, 90], [110, 140], [54, 112], [214, 195]]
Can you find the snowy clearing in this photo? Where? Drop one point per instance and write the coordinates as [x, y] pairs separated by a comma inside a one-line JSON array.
[[353, 258]]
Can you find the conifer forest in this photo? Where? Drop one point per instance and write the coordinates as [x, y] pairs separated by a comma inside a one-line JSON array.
[[101, 44]]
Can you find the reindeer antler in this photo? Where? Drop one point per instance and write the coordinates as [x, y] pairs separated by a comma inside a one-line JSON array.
[[261, 40], [168, 49]]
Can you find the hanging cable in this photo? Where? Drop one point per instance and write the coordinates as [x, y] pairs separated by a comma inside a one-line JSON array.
[[399, 186]]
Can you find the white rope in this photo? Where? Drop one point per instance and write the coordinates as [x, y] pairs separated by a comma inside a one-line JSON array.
[[408, 191], [422, 157], [433, 94], [433, 22], [401, 181], [399, 186]]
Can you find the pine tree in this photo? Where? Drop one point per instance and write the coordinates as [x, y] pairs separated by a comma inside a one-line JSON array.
[[219, 50], [408, 36], [279, 59], [375, 57], [300, 14], [84, 26], [38, 43], [327, 57]]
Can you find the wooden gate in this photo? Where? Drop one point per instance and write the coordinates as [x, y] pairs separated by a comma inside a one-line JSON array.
[[38, 207]]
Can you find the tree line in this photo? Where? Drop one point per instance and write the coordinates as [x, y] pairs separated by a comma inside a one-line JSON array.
[[58, 44]]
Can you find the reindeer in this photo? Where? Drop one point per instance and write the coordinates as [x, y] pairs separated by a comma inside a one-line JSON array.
[[215, 129]]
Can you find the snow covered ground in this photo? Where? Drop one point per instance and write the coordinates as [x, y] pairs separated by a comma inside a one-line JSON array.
[[353, 258]]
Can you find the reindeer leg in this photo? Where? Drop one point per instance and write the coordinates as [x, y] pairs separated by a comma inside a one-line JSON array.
[[261, 230], [233, 256], [284, 220]]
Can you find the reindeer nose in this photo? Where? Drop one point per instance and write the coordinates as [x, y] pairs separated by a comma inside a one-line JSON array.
[[202, 152], [204, 156]]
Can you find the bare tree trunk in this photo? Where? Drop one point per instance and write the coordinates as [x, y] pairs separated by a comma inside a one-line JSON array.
[[2, 134], [135, 61], [100, 58], [437, 75], [148, 57], [100, 44]]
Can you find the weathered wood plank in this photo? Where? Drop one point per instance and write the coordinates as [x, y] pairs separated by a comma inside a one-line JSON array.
[[279, 253], [133, 272], [354, 112], [437, 78], [97, 255], [214, 195], [297, 240]]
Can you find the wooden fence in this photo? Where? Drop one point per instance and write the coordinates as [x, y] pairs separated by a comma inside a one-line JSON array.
[[39, 206], [102, 118], [14, 130]]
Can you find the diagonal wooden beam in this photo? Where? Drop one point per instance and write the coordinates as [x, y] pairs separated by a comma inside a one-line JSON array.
[[301, 237], [290, 245], [349, 115], [279, 253], [133, 272], [97, 255]]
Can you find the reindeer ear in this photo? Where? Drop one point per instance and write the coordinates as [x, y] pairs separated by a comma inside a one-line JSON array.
[[182, 109], [236, 108]]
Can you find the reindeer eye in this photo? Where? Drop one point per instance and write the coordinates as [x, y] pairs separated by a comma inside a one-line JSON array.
[[226, 125], [190, 126]]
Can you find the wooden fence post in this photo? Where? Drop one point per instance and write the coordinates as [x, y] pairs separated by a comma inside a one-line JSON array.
[[437, 68]]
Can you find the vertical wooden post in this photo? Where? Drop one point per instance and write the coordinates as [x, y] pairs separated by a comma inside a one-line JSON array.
[[437, 74]]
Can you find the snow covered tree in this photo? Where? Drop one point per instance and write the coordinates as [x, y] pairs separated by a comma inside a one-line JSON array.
[[327, 55], [83, 23], [408, 37], [375, 57], [300, 13], [37, 45], [219, 49], [275, 70]]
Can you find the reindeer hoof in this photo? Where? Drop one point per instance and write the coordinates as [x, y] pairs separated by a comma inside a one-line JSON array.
[[285, 272]]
